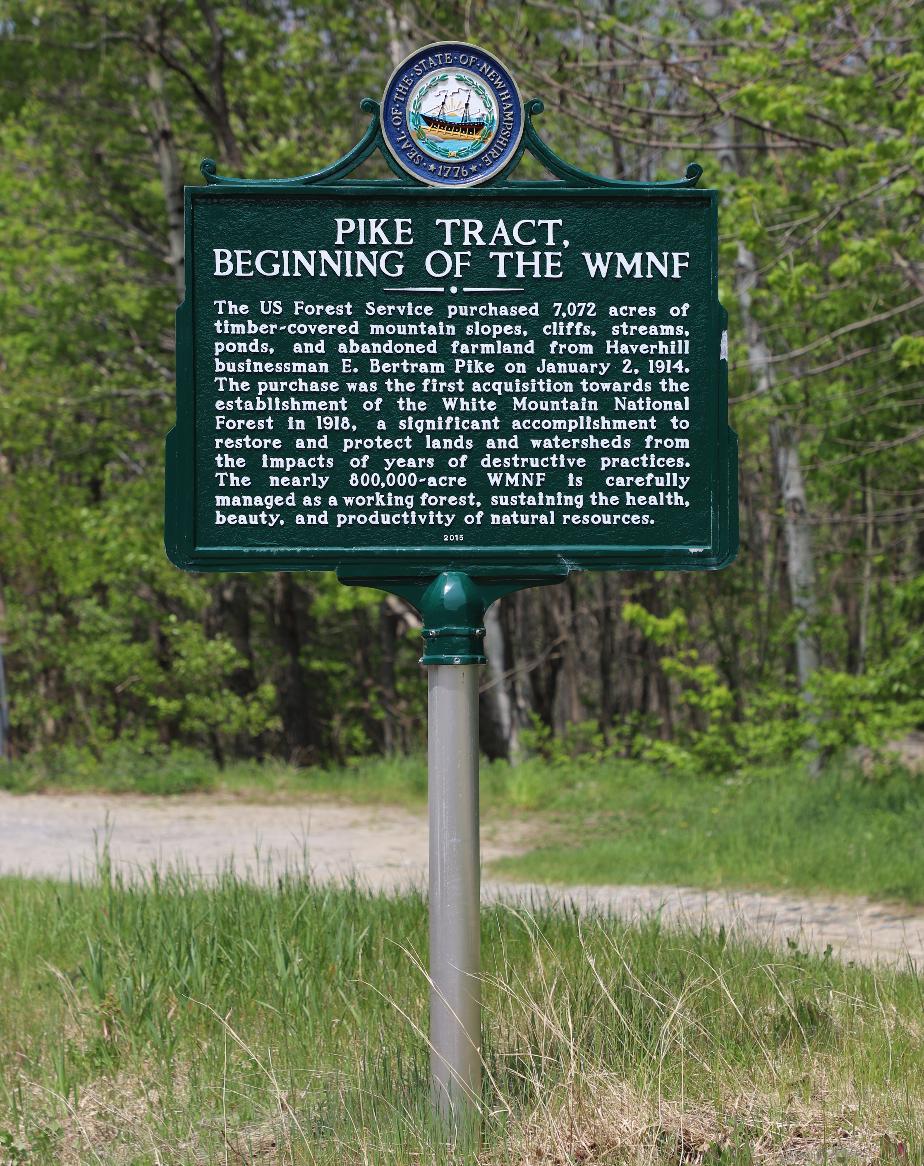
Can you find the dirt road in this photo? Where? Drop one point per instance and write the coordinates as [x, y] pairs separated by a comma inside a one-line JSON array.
[[386, 848]]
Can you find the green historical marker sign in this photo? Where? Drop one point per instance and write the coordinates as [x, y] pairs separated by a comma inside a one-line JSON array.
[[396, 379], [451, 385]]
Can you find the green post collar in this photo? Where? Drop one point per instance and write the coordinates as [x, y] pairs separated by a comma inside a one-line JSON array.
[[452, 606]]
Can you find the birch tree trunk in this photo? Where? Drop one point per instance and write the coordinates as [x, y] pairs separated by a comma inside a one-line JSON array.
[[500, 735], [797, 531], [163, 146], [399, 34], [784, 443]]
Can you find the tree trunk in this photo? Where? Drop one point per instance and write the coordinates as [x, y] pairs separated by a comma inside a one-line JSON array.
[[399, 34], [499, 731], [389, 624], [229, 615], [299, 722], [609, 592], [221, 115], [4, 702], [517, 621], [163, 146], [800, 562], [867, 585], [797, 531]]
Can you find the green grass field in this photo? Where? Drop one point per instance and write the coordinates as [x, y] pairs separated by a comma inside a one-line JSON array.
[[845, 831], [170, 1023]]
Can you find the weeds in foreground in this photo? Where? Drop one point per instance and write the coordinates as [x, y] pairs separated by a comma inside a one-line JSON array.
[[166, 1021]]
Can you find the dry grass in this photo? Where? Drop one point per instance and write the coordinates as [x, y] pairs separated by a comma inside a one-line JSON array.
[[596, 1120], [608, 1121]]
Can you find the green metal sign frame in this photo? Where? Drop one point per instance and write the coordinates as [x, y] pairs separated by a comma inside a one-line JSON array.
[[411, 569]]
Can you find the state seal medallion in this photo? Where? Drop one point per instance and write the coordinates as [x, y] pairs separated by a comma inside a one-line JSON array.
[[452, 115]]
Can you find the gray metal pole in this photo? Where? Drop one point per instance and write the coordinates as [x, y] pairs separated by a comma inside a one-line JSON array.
[[455, 886]]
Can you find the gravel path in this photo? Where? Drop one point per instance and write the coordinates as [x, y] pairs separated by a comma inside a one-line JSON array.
[[386, 847]]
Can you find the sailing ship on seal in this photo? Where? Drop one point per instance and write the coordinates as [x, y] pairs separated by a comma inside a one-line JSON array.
[[450, 124]]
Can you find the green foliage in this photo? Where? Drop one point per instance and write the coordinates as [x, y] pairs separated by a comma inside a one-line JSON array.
[[206, 702], [810, 120], [839, 711], [103, 638], [121, 688], [118, 767], [125, 766], [581, 744], [707, 741], [861, 710]]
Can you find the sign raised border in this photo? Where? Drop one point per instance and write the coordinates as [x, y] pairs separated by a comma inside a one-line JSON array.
[[420, 562]]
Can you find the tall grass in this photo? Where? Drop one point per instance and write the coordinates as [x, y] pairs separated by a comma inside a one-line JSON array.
[[172, 1022]]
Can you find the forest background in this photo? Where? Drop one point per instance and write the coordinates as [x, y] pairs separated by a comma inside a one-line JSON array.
[[808, 117]]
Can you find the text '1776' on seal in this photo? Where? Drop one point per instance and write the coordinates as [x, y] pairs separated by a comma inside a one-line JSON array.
[[452, 115]]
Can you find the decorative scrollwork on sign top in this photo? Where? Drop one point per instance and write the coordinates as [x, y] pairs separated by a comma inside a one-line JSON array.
[[372, 140], [367, 145], [568, 173]]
